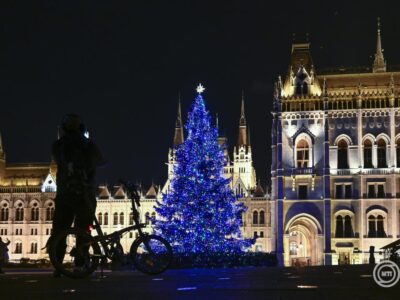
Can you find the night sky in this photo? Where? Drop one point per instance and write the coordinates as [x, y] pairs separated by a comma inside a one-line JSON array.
[[121, 64]]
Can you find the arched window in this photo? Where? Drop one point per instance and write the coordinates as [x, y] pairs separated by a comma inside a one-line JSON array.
[[131, 218], [255, 217], [4, 213], [303, 154], [50, 212], [147, 218], [18, 247], [35, 213], [342, 155], [33, 248], [105, 218], [121, 218], [339, 227], [262, 217], [371, 226], [382, 154], [367, 154], [380, 229], [100, 218], [348, 230], [115, 220], [19, 213], [153, 217]]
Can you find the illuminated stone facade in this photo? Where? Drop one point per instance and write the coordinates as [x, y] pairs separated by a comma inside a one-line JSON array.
[[335, 161], [27, 193]]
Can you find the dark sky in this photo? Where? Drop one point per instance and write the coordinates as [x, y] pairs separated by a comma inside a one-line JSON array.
[[121, 64]]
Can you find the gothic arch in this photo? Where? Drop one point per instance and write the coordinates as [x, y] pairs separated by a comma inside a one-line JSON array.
[[383, 136], [345, 137], [295, 218], [370, 137], [304, 132], [344, 209], [18, 201], [4, 201], [33, 201], [375, 208], [48, 202]]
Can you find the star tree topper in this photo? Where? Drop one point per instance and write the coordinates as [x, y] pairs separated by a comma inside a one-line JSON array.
[[200, 88]]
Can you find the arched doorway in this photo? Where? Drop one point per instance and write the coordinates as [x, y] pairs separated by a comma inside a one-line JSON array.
[[303, 241]]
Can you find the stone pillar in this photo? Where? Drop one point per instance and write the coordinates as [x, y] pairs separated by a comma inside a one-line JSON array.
[[327, 196], [393, 185], [280, 195]]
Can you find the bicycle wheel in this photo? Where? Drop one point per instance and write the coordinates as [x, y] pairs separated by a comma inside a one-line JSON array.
[[74, 253], [151, 254]]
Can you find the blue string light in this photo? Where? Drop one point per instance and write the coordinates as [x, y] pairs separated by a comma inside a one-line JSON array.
[[200, 214]]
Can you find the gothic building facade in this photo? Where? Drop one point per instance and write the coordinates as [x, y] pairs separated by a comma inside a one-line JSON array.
[[27, 193], [335, 172], [335, 160]]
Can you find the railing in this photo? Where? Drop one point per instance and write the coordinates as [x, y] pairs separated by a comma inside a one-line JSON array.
[[379, 171], [302, 171], [343, 171]]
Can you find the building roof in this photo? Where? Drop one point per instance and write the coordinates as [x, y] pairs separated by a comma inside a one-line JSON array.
[[152, 192], [119, 192], [259, 191], [104, 193]]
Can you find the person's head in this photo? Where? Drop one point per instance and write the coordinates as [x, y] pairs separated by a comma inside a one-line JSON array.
[[72, 123]]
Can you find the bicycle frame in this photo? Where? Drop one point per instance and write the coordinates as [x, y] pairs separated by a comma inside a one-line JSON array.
[[107, 239]]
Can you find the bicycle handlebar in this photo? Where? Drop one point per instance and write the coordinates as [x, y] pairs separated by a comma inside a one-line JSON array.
[[132, 191]]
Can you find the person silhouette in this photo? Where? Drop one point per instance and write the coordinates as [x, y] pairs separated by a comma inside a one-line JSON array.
[[76, 157], [3, 254]]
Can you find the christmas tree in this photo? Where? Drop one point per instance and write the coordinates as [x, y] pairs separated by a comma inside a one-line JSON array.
[[201, 214]]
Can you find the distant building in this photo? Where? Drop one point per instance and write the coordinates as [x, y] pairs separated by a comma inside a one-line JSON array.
[[335, 160], [27, 193]]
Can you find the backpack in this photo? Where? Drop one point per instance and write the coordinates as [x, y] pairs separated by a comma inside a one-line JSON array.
[[73, 161]]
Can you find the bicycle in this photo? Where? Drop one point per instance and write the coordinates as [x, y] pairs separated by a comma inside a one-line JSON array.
[[82, 253]]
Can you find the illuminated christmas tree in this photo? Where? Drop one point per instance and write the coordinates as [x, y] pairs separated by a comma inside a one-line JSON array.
[[201, 214]]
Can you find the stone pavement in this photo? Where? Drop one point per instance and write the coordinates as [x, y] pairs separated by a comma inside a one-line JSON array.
[[333, 282]]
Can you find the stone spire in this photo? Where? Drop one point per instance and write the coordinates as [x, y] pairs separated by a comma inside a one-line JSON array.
[[2, 153], [178, 137], [221, 134], [242, 115], [242, 139], [379, 61]]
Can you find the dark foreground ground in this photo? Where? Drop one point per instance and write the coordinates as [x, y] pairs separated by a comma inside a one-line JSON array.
[[350, 282]]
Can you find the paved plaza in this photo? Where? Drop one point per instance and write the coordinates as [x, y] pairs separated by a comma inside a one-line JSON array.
[[335, 282]]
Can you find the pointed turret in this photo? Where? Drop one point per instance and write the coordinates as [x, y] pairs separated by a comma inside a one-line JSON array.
[[2, 153], [242, 139], [379, 61], [178, 137], [259, 191]]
